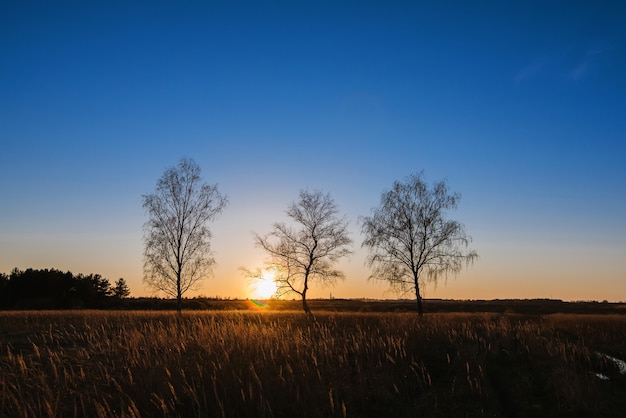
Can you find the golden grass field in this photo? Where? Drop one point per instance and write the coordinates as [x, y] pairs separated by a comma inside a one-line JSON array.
[[283, 364]]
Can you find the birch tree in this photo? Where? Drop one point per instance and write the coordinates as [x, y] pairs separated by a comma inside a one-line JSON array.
[[307, 250], [411, 241], [177, 253]]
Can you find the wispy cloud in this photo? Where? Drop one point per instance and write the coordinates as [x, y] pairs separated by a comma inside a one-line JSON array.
[[590, 59], [530, 71], [580, 71], [570, 64]]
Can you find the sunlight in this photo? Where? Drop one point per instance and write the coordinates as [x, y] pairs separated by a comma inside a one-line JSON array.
[[265, 286]]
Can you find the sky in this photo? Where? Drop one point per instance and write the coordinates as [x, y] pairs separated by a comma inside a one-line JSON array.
[[520, 106]]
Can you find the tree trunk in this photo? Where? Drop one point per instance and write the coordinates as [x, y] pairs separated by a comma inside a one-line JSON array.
[[420, 308], [305, 306], [179, 296]]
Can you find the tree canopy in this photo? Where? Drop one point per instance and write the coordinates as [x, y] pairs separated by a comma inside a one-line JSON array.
[[308, 249], [177, 252], [410, 239]]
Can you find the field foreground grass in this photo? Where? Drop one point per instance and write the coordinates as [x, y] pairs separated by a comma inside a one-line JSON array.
[[282, 364]]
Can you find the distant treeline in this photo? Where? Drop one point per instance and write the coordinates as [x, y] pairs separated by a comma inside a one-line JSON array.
[[497, 306], [55, 289]]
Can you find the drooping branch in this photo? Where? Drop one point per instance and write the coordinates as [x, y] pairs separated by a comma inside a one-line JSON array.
[[409, 238]]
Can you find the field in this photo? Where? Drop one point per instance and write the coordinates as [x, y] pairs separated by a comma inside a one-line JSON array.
[[283, 364]]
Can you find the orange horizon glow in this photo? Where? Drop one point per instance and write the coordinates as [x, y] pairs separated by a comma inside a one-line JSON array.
[[263, 287]]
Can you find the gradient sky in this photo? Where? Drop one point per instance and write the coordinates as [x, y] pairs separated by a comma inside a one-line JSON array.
[[520, 106]]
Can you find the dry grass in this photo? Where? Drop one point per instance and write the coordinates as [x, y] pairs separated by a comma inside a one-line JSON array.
[[274, 364]]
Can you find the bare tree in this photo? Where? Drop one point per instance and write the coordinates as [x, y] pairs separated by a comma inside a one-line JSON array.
[[305, 253], [177, 239], [410, 241]]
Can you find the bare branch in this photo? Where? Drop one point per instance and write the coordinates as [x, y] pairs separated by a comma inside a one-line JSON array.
[[307, 251], [409, 238], [177, 253]]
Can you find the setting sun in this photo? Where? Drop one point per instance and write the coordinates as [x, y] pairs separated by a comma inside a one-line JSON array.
[[265, 286]]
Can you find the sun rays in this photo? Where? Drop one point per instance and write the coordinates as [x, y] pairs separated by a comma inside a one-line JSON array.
[[264, 287]]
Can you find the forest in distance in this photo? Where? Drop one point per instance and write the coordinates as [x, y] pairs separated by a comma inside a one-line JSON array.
[[55, 289]]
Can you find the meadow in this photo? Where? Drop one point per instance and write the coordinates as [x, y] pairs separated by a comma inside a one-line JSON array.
[[284, 364]]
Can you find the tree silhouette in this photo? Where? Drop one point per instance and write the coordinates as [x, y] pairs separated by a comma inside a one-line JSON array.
[[307, 251], [53, 289], [93, 289], [177, 252], [409, 239], [121, 289]]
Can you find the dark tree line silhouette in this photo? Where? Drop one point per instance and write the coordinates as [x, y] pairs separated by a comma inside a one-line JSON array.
[[55, 289]]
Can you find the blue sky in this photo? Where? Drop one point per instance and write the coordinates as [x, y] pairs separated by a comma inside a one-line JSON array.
[[521, 106]]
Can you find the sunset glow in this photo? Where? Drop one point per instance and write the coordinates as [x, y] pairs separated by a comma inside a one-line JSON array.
[[519, 110], [265, 286]]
